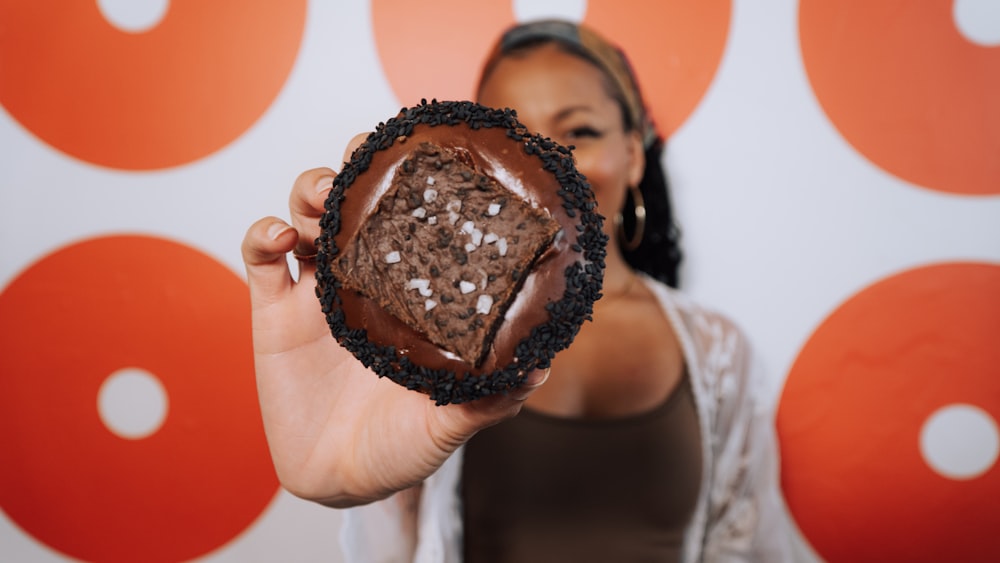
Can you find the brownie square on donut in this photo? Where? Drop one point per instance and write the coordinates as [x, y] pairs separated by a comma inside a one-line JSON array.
[[446, 249]]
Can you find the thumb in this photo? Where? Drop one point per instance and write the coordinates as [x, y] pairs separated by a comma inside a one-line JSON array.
[[264, 248]]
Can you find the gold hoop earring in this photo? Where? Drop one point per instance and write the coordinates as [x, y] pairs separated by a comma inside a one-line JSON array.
[[639, 210]]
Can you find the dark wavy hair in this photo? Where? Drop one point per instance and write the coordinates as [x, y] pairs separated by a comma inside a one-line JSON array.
[[658, 253]]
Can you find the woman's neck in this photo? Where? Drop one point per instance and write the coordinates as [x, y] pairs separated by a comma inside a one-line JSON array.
[[619, 277]]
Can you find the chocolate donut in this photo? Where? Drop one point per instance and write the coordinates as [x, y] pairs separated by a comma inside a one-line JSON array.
[[458, 252]]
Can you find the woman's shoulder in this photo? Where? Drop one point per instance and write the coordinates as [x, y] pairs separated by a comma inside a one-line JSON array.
[[717, 352]]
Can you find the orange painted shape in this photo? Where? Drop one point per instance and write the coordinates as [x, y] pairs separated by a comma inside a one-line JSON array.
[[854, 404], [79, 315], [907, 90], [675, 47], [434, 50], [143, 101]]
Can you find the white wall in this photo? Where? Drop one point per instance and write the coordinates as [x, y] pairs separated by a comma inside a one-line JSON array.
[[784, 220]]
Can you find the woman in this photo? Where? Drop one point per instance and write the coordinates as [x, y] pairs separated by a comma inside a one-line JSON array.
[[645, 443]]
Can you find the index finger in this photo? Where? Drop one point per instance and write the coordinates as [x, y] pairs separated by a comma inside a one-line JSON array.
[[306, 206]]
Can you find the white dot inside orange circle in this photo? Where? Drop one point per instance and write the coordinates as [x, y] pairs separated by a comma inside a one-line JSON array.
[[978, 21], [960, 441], [132, 403], [528, 10], [134, 16]]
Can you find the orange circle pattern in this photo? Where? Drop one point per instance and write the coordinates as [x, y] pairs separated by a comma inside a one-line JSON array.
[[143, 101], [674, 46], [896, 79], [853, 407], [71, 320], [907, 90]]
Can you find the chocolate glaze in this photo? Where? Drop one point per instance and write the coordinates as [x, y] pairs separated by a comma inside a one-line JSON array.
[[504, 160]]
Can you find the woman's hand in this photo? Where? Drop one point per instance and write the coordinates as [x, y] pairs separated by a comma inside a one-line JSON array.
[[338, 434]]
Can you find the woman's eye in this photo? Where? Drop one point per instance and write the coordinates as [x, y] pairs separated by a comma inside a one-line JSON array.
[[585, 132]]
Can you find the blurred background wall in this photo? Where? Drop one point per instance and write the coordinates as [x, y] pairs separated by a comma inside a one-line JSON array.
[[835, 166]]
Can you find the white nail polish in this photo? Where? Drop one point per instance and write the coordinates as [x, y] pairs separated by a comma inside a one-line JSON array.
[[276, 230]]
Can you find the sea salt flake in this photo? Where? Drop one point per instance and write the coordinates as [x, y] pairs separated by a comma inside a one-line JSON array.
[[423, 286], [484, 304], [466, 287]]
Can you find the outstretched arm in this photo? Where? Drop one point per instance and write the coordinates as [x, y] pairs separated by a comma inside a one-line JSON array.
[[338, 434]]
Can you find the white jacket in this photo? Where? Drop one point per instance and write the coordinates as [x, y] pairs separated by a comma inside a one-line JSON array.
[[740, 515]]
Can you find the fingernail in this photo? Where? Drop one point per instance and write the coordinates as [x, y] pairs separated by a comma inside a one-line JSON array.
[[534, 380], [541, 379], [325, 183], [277, 229]]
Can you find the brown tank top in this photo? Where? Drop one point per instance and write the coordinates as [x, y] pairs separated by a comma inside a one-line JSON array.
[[543, 488]]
